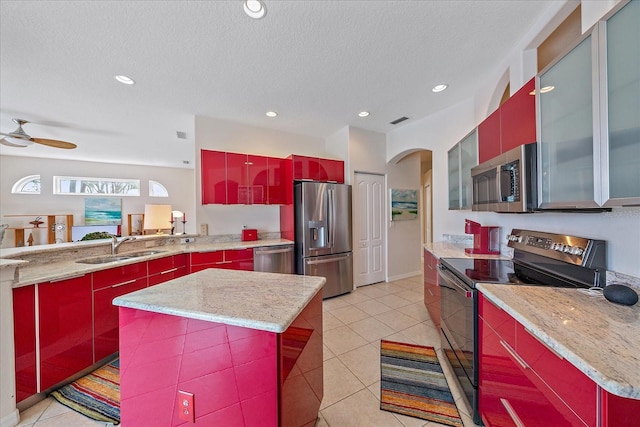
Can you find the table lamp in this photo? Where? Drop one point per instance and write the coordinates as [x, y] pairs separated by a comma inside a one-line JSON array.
[[157, 217]]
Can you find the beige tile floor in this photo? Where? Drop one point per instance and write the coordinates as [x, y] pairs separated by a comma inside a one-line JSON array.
[[353, 326]]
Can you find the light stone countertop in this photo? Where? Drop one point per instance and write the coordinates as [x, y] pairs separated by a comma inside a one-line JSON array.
[[59, 262], [456, 250], [600, 338], [265, 301]]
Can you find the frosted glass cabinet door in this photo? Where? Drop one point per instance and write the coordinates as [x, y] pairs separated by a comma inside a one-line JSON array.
[[622, 68], [468, 159], [453, 167], [566, 146]]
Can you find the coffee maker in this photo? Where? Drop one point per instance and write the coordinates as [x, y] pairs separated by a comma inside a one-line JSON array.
[[486, 239]]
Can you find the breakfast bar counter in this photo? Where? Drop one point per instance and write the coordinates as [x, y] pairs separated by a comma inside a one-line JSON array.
[[246, 346]]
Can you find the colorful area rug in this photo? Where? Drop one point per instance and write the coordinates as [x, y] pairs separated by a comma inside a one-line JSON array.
[[96, 395], [412, 384]]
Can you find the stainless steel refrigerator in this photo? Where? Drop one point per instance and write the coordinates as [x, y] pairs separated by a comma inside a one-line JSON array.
[[323, 234]]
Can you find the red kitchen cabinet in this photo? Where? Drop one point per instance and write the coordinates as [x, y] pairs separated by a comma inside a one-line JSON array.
[[432, 287], [230, 259], [317, 169], [577, 390], [167, 268], [618, 411], [277, 182], [258, 180], [108, 284], [238, 259], [213, 177], [331, 170], [237, 179], [510, 126], [65, 333], [518, 118], [24, 333], [489, 145]]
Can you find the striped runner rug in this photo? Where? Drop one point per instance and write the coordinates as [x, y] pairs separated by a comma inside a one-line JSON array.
[[412, 384], [96, 395]]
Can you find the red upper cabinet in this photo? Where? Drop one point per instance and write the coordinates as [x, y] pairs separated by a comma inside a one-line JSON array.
[[66, 336], [214, 177], [489, 137], [258, 180], [305, 168], [317, 169], [510, 126], [237, 179], [277, 181], [518, 118]]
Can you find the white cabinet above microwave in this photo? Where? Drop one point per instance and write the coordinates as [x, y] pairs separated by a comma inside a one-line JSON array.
[[588, 124]]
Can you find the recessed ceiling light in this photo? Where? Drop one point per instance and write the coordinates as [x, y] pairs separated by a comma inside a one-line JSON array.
[[254, 9], [363, 113], [271, 114], [439, 88], [124, 79]]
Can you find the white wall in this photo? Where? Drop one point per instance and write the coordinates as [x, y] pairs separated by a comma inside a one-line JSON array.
[[222, 135], [179, 182], [404, 240]]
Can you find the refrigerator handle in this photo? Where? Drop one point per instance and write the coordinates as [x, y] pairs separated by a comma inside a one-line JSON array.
[[331, 219]]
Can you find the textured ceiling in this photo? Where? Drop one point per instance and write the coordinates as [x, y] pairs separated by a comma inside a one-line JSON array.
[[317, 63]]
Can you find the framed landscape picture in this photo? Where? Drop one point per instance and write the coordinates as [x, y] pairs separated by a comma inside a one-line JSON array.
[[404, 204], [102, 211]]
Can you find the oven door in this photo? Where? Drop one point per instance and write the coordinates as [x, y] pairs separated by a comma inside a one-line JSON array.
[[458, 310]]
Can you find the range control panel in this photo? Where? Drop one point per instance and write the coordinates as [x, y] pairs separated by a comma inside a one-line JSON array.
[[572, 249]]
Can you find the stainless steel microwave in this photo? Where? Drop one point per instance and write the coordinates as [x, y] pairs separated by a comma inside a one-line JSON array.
[[507, 183]]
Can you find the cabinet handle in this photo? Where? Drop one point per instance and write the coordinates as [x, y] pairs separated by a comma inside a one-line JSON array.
[[123, 283], [169, 271], [66, 278], [430, 293], [515, 355], [223, 262], [512, 413], [545, 344]]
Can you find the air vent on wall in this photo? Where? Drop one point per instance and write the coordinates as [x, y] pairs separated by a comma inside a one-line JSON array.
[[400, 120], [181, 135]]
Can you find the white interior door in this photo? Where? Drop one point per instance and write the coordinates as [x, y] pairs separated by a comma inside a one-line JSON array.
[[369, 251]]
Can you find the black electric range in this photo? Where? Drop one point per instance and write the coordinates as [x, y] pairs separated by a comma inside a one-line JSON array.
[[539, 259]]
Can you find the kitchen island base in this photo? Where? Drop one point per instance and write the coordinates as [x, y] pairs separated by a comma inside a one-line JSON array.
[[239, 376]]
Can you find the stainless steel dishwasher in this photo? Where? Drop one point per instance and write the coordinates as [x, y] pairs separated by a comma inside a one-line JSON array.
[[273, 259]]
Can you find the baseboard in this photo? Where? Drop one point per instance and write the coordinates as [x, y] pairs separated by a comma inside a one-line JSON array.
[[404, 276], [11, 419]]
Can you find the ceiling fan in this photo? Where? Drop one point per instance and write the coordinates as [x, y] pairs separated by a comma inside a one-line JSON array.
[[21, 139]]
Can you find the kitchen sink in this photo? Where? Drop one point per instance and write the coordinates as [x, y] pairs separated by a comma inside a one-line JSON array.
[[141, 253], [103, 259]]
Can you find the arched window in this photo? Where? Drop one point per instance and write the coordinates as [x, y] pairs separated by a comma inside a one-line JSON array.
[[157, 190], [27, 185], [96, 186]]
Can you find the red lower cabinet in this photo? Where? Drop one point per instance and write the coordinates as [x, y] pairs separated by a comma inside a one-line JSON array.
[[108, 284], [66, 338], [24, 333], [230, 259], [619, 411], [512, 393], [167, 268], [432, 287]]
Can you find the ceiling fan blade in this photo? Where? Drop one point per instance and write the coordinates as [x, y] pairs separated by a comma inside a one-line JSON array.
[[54, 143], [5, 141]]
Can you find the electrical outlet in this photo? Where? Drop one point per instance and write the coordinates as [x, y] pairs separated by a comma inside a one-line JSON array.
[[186, 406], [204, 229], [187, 240]]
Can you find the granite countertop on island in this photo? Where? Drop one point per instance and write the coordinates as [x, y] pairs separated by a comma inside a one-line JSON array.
[[264, 301], [600, 338]]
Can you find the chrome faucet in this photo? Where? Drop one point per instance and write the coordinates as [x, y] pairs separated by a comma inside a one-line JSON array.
[[115, 244]]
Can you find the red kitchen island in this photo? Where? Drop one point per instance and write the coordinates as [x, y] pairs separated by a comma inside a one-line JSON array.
[[246, 346]]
